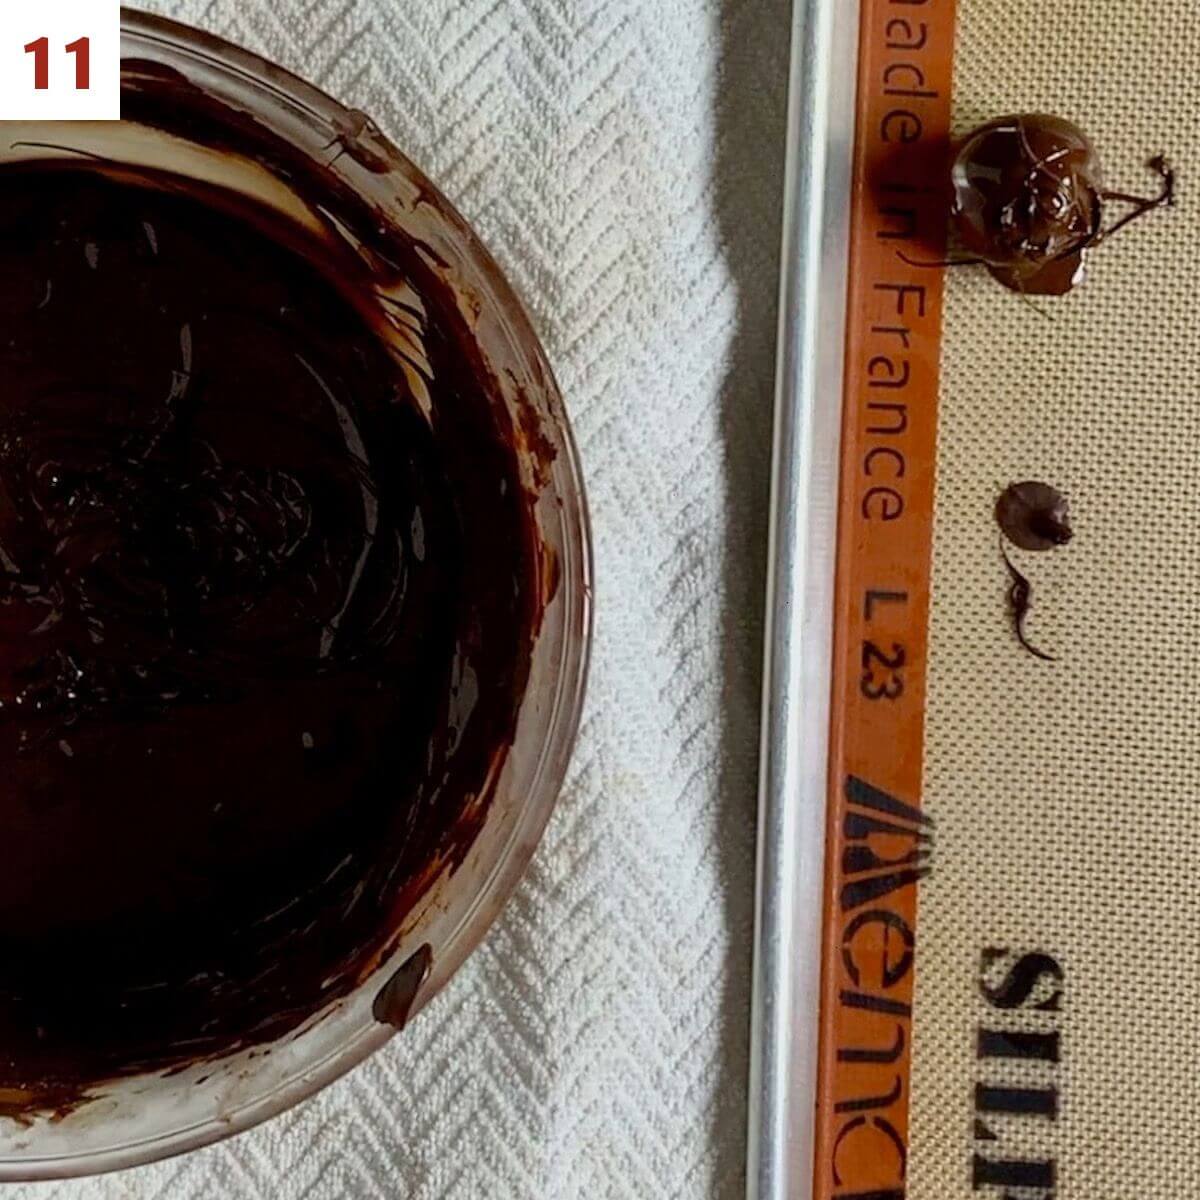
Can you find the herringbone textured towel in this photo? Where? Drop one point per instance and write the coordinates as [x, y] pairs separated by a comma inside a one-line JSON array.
[[622, 158]]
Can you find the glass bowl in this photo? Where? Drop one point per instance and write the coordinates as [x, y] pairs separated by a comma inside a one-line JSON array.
[[135, 1120]]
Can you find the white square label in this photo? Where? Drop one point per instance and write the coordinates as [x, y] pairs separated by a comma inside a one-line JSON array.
[[60, 60]]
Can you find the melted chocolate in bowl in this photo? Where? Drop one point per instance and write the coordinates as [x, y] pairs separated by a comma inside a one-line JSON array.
[[268, 587]]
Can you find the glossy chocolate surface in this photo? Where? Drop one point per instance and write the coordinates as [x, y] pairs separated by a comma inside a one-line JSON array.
[[265, 606], [1027, 200]]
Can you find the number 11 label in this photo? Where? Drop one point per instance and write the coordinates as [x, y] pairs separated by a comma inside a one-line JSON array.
[[60, 60]]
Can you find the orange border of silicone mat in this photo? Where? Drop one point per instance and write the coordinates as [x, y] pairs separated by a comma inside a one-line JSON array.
[[862, 1107]]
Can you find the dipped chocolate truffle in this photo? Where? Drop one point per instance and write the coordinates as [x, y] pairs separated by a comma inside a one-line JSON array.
[[1029, 201]]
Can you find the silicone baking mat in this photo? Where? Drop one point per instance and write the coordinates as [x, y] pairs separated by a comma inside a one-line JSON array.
[[1011, 1000]]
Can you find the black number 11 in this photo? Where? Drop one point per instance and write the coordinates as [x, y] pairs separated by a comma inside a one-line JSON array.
[[81, 48]]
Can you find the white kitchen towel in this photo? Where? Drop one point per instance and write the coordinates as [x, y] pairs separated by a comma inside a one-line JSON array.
[[623, 160]]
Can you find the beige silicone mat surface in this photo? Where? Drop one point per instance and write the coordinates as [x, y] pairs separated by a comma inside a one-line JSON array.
[[1067, 795]]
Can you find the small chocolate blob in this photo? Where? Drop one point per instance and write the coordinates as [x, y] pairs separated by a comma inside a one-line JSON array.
[[1020, 600], [1029, 201], [1034, 516], [394, 1004]]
